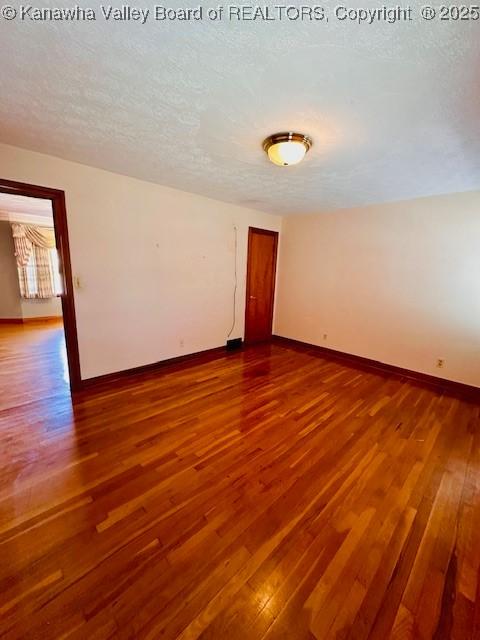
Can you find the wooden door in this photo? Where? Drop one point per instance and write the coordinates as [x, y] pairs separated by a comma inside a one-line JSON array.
[[261, 268]]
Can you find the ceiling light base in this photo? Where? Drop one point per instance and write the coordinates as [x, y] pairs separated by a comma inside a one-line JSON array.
[[287, 148]]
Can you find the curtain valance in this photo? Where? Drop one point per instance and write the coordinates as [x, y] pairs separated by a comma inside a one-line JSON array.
[[26, 237]]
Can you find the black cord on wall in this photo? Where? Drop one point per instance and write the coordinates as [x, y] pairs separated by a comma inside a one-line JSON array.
[[235, 287]]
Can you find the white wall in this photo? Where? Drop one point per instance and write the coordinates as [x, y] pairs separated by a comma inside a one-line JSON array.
[[156, 265], [39, 308], [398, 283]]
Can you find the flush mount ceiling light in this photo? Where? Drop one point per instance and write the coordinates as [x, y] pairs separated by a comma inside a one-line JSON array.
[[285, 149]]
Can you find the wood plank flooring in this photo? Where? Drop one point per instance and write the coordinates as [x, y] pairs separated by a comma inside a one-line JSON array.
[[269, 494]]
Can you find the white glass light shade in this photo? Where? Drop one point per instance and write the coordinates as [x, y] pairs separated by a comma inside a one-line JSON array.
[[286, 149]]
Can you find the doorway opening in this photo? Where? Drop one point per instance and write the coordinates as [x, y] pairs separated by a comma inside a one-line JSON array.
[[261, 272], [38, 336]]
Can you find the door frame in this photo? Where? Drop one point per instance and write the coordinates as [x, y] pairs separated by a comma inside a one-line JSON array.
[[274, 234], [57, 198]]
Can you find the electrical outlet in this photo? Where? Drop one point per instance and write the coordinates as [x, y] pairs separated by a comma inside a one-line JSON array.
[[325, 336], [182, 343], [440, 363]]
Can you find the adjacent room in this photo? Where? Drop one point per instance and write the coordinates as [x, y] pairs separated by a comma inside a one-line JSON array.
[[31, 321], [239, 322]]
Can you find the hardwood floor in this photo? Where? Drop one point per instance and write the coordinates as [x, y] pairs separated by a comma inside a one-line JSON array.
[[267, 494], [33, 363]]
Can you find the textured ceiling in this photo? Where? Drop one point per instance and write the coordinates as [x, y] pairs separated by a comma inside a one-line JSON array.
[[392, 109]]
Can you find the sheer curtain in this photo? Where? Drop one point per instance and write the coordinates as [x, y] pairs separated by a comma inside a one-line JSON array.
[[37, 261]]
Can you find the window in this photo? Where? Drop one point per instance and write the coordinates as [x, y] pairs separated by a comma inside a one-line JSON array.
[[55, 266], [37, 261], [40, 278]]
